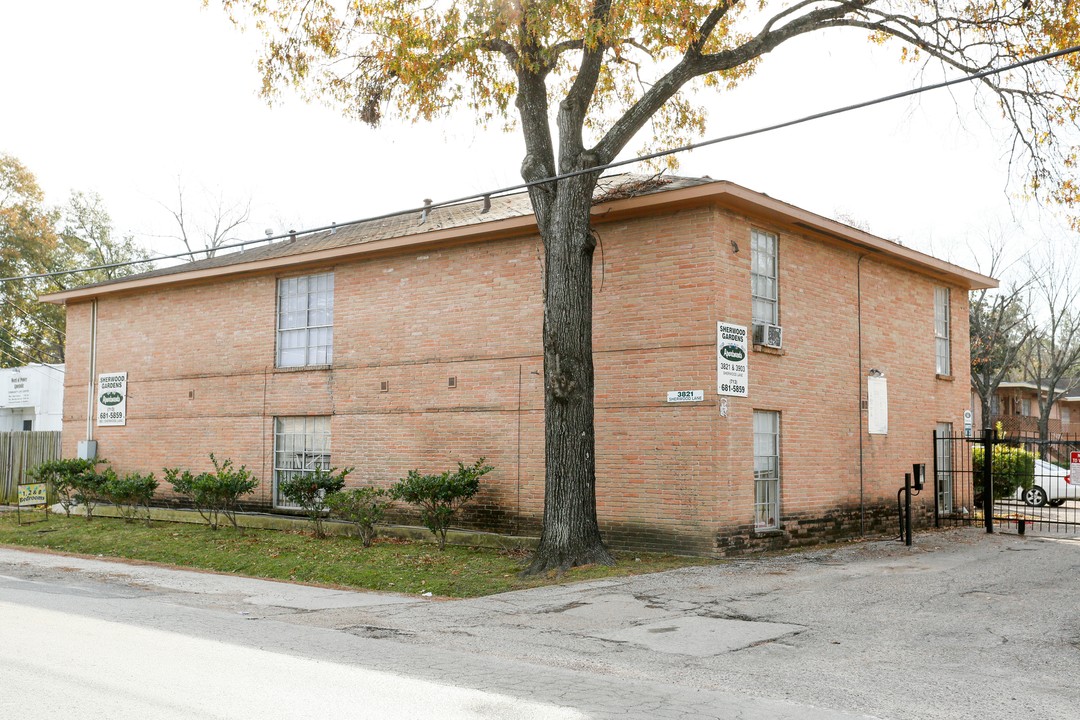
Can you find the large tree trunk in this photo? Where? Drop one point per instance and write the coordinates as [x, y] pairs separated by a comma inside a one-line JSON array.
[[571, 534]]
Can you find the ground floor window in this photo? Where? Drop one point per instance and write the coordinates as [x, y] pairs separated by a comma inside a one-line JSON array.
[[944, 460], [301, 444], [766, 469]]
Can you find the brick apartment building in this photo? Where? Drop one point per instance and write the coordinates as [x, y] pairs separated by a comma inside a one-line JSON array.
[[416, 342]]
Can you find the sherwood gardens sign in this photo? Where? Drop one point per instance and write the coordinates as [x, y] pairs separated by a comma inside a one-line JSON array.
[[732, 373], [112, 399]]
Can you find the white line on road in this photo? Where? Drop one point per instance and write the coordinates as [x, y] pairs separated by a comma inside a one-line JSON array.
[[59, 665]]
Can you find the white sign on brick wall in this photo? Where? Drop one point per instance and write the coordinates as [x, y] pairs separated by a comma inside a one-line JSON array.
[[732, 365], [112, 399], [877, 405]]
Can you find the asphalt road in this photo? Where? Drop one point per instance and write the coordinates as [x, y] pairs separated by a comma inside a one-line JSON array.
[[960, 625], [59, 665]]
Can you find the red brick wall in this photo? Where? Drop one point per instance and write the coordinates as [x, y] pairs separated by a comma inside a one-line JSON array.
[[200, 363]]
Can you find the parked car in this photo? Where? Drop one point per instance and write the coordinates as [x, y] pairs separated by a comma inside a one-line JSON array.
[[1052, 485]]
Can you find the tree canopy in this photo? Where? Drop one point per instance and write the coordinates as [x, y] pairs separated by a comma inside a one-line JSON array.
[[36, 239], [614, 66], [581, 80]]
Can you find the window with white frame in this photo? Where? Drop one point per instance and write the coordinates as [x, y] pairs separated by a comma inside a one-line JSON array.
[[766, 470], [943, 462], [941, 330], [305, 320], [301, 444], [763, 278]]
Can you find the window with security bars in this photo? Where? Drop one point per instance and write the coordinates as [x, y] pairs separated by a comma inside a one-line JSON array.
[[943, 460], [763, 278], [941, 330], [766, 470], [305, 320], [301, 444]]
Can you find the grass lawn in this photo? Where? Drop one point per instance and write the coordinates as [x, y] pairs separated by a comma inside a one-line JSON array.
[[391, 565]]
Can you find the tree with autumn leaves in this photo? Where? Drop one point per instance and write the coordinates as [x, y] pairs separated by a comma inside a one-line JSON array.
[[582, 80], [36, 239]]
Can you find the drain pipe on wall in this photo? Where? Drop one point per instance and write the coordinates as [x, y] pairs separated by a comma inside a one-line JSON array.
[[88, 448], [862, 475]]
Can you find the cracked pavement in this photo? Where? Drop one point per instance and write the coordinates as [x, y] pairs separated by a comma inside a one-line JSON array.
[[960, 624]]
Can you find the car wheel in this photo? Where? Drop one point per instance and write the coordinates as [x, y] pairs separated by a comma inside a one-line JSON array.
[[1035, 496], [1058, 502]]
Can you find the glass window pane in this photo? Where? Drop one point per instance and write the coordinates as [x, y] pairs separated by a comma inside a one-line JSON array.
[[764, 286], [301, 444], [305, 320], [766, 426]]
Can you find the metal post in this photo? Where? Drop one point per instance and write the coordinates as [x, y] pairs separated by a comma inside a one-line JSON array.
[[989, 436], [907, 509]]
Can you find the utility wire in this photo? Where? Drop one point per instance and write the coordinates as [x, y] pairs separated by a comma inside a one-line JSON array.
[[36, 320], [29, 349], [596, 168], [24, 361]]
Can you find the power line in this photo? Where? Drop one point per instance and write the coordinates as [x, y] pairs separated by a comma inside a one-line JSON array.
[[11, 350], [29, 348], [25, 362], [37, 320], [486, 196]]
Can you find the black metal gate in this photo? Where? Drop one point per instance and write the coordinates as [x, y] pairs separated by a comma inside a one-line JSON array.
[[1031, 483]]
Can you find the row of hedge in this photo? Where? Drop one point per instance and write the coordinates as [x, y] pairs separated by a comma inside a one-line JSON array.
[[216, 495]]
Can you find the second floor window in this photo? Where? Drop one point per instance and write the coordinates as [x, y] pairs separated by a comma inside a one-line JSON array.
[[941, 330], [763, 278], [305, 320]]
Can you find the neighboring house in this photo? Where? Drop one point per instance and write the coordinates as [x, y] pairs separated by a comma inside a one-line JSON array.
[[1016, 407], [415, 342], [31, 397]]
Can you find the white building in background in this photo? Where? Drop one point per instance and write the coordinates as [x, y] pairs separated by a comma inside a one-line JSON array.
[[31, 397]]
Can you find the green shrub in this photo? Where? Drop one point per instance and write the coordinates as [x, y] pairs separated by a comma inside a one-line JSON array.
[[363, 507], [64, 478], [1012, 467], [309, 490], [439, 496], [215, 494], [90, 489], [130, 492]]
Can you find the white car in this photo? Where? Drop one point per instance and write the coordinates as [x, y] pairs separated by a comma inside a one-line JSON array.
[[1052, 486]]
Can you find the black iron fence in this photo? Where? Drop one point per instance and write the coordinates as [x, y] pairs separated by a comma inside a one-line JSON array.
[[1031, 483]]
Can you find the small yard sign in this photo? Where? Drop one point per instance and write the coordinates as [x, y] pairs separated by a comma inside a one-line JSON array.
[[732, 373], [112, 399], [32, 494], [1074, 466]]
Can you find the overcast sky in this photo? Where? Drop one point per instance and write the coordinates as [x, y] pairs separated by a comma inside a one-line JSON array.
[[124, 97]]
